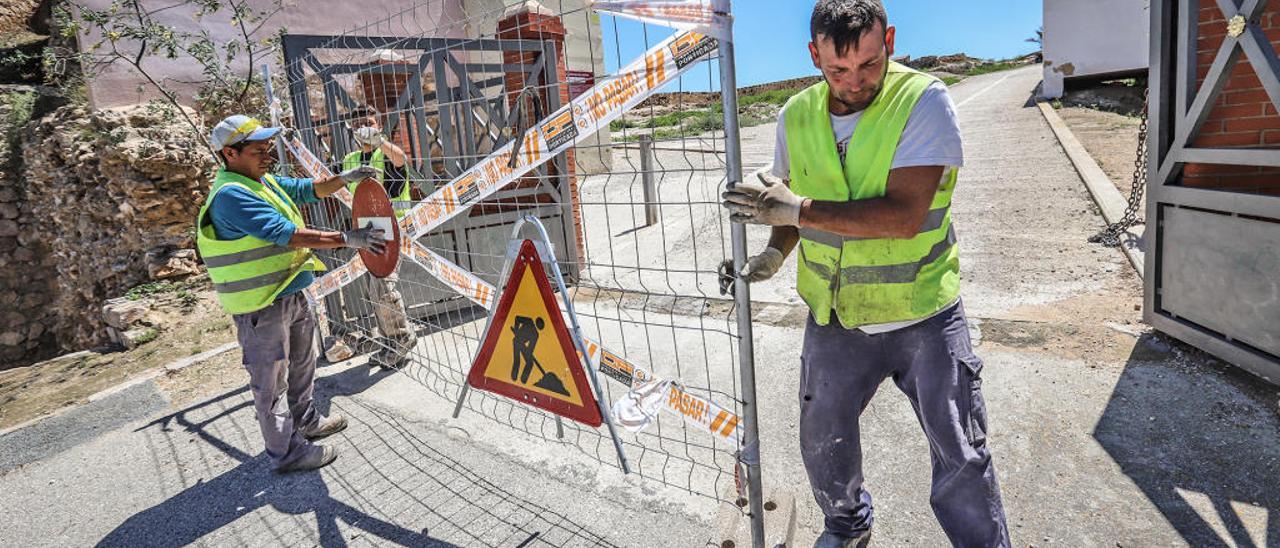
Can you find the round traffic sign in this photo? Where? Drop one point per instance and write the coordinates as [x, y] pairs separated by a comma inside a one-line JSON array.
[[372, 206]]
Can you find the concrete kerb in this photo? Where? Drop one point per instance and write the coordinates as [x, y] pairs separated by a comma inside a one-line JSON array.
[[146, 376], [1104, 192]]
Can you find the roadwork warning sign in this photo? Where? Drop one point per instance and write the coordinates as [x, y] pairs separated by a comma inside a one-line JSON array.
[[527, 353]]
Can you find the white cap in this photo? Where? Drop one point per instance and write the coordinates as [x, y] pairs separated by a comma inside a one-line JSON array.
[[240, 128]]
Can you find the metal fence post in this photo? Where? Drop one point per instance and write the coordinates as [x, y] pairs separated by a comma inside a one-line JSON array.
[[646, 176], [274, 108], [750, 454]]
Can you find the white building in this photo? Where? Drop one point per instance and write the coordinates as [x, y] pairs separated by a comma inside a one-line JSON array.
[[1093, 39]]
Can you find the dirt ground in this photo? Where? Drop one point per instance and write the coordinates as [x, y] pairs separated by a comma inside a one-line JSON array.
[[1112, 140], [1100, 328], [182, 330]]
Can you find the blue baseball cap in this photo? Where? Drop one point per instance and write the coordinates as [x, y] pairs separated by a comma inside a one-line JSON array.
[[240, 128]]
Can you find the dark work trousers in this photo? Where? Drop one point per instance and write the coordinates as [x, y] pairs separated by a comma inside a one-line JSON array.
[[279, 346], [933, 363]]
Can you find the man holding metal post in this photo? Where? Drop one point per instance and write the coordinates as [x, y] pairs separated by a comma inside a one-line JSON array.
[[390, 163], [253, 239], [868, 161]]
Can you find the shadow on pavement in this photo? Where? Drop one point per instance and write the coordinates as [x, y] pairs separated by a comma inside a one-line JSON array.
[[388, 485], [1202, 441]]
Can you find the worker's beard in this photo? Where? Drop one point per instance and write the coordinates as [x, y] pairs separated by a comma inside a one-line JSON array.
[[851, 103]]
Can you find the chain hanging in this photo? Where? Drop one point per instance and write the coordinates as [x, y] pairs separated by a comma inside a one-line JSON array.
[[1110, 236]]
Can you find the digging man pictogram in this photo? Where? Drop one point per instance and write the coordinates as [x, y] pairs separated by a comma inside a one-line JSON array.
[[525, 339]]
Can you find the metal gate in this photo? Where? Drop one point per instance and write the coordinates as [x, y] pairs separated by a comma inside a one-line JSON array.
[[444, 102], [1213, 266]]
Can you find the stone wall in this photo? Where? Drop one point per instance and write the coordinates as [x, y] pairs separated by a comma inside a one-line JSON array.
[[114, 194], [25, 288]]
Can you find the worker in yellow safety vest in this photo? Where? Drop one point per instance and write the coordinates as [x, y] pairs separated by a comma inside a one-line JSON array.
[[390, 164], [254, 241], [865, 166]]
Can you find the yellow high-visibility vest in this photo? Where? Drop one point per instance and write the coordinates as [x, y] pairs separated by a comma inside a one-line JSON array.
[[868, 280], [248, 273]]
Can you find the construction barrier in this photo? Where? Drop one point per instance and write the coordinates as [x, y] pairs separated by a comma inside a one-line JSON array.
[[535, 110]]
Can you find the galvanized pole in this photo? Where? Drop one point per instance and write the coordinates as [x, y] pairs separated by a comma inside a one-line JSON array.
[[750, 451], [646, 176], [274, 107]]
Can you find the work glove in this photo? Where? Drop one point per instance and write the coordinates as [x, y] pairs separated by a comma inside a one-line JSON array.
[[369, 136], [765, 201], [358, 173], [758, 269], [370, 238]]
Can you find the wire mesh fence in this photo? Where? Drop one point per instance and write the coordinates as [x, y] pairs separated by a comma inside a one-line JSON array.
[[481, 97]]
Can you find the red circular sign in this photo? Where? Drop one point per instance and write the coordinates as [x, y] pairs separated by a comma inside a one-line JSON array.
[[372, 206]]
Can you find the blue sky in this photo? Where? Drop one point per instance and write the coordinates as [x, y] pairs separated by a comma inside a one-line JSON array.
[[771, 34]]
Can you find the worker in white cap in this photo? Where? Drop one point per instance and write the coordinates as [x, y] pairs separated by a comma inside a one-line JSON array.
[[254, 242]]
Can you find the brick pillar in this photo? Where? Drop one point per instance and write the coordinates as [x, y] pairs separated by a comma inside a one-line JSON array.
[[383, 88], [1242, 117], [532, 21]]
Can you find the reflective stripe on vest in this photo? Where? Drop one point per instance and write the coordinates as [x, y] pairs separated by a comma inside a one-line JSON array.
[[903, 273], [401, 203], [868, 280], [248, 273], [245, 256]]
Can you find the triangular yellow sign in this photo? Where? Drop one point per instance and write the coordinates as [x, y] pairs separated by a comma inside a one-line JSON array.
[[527, 353]]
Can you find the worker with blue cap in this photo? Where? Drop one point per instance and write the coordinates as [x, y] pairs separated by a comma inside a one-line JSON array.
[[258, 250]]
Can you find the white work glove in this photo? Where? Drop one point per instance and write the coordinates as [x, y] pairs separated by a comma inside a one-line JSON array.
[[370, 238], [758, 269], [765, 201], [358, 173], [368, 136]]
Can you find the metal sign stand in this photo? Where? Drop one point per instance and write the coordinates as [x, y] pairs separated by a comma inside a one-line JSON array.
[[575, 333]]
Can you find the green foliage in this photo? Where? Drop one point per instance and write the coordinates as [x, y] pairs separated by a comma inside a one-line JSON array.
[[672, 119], [951, 80], [988, 68], [17, 108], [777, 97], [182, 291], [15, 60], [187, 298], [147, 336], [20, 106], [148, 289]]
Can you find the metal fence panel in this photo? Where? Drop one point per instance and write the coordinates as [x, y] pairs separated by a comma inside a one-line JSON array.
[[638, 230]]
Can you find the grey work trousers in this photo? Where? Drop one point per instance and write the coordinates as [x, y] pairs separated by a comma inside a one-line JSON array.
[[388, 310], [279, 347], [933, 363]]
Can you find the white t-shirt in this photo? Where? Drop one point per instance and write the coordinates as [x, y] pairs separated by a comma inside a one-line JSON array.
[[930, 138]]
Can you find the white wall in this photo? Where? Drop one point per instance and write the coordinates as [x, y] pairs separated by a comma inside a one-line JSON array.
[[120, 85], [1093, 37]]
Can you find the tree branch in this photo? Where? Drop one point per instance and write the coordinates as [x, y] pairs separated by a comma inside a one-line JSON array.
[[248, 46]]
